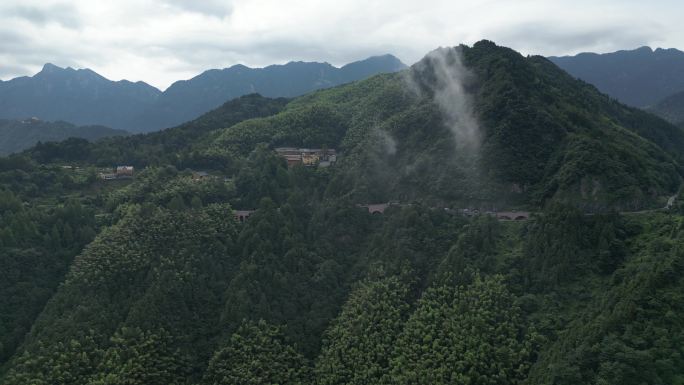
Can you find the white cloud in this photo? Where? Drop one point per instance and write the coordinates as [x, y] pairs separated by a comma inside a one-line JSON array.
[[212, 8], [160, 41]]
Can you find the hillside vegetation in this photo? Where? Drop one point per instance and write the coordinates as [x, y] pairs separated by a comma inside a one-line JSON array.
[[18, 135], [151, 280], [671, 108]]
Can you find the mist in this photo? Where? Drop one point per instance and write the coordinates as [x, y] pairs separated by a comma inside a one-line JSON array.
[[388, 143], [448, 80]]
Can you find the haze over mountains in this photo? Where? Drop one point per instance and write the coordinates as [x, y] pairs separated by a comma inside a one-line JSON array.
[[641, 77], [84, 97], [17, 135]]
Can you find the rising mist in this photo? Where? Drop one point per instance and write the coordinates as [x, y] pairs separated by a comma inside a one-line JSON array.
[[443, 75]]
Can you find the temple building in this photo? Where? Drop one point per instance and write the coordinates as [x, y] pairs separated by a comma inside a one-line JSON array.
[[321, 157]]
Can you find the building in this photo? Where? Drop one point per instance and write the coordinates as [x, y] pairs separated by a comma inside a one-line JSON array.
[[120, 172], [124, 171], [309, 157], [200, 175], [242, 215]]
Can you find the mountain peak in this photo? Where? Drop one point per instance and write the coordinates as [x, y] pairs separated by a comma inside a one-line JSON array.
[[644, 49], [387, 58], [373, 65], [50, 68], [238, 66], [53, 72], [383, 60]]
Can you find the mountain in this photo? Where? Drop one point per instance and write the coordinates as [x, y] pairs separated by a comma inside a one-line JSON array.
[[534, 140], [80, 97], [86, 98], [671, 108], [187, 99], [640, 77], [539, 134], [154, 279], [17, 135]]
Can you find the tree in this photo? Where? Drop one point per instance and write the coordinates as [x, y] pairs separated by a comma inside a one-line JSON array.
[[176, 203], [68, 236], [69, 363], [138, 357], [196, 202], [470, 335], [359, 343], [257, 354]]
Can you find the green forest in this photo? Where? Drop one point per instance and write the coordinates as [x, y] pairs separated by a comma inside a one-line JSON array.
[[151, 280]]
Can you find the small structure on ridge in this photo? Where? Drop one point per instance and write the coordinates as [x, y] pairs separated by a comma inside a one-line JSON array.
[[321, 157], [120, 172], [200, 175], [242, 215]]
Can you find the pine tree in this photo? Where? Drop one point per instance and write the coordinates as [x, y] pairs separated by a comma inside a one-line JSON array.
[[257, 354], [358, 345], [196, 202], [68, 236], [471, 335], [66, 363], [176, 203], [55, 237], [138, 357]]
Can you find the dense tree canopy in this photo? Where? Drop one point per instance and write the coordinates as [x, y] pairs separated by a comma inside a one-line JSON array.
[[257, 354]]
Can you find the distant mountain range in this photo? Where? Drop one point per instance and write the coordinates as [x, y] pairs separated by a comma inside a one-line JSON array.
[[84, 97], [17, 135], [641, 77]]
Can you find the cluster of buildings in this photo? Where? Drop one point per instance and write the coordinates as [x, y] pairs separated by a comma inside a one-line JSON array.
[[121, 172], [321, 157]]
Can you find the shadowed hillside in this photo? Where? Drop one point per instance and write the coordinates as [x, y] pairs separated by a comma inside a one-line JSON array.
[[18, 135]]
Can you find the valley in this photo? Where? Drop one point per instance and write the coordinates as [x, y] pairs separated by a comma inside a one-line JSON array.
[[234, 248]]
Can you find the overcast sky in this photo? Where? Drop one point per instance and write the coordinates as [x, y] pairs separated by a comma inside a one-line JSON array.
[[159, 41]]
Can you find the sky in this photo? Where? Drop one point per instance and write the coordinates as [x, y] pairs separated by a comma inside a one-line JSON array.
[[161, 41]]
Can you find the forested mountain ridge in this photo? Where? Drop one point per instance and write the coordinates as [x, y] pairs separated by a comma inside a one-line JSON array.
[[80, 97], [671, 108], [168, 288], [18, 135], [176, 146], [640, 77], [84, 97], [540, 136], [187, 99]]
